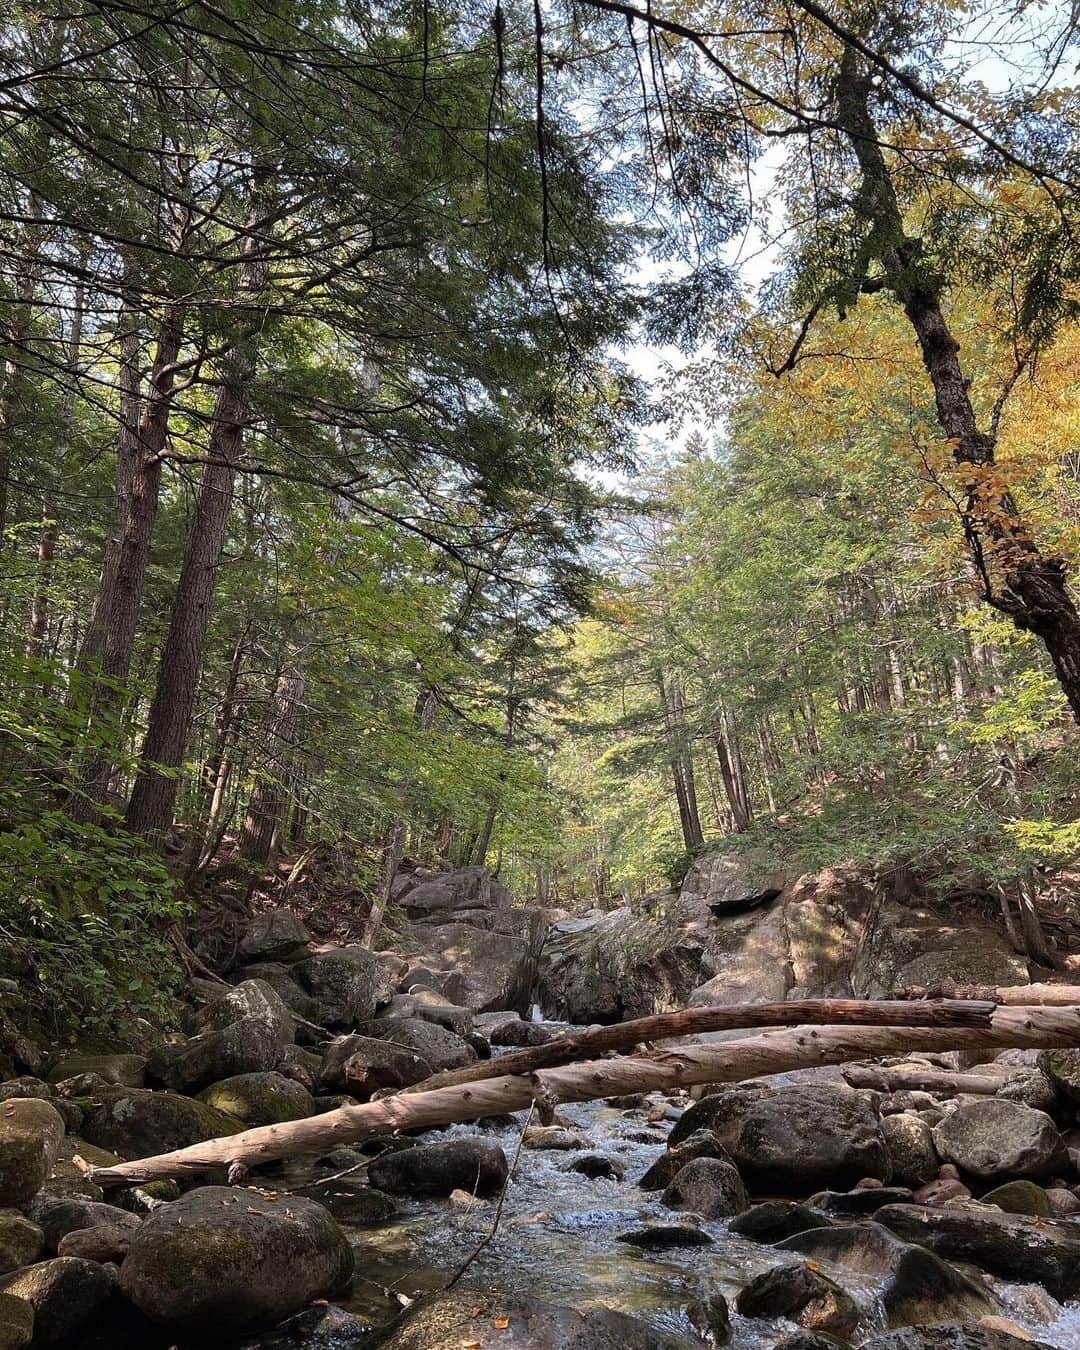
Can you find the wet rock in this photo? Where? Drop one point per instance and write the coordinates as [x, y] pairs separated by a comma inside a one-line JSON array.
[[952, 1336], [1020, 1197], [350, 1201], [251, 1045], [707, 1186], [699, 1144], [519, 1032], [65, 1294], [553, 1137], [436, 1047], [774, 1220], [223, 1260], [709, 1315], [473, 1165], [861, 1201], [344, 983], [57, 1216], [918, 1286], [909, 1143], [137, 1123], [812, 1340], [660, 1236], [364, 1064], [997, 1138], [107, 1242], [125, 1070], [21, 1241], [485, 1320], [596, 1165], [804, 1296], [275, 935], [16, 1322], [1042, 1251], [260, 1098], [31, 1132]]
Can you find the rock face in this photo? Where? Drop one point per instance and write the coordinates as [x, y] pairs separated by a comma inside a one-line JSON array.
[[16, 1322], [998, 1138], [473, 1165], [260, 1098], [64, 1294], [494, 1321], [344, 983], [31, 1132], [224, 1260], [137, 1123], [490, 967]]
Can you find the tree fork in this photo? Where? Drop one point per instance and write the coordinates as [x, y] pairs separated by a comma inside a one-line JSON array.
[[667, 1070]]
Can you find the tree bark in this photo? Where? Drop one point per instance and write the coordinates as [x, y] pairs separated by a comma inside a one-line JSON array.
[[1013, 574], [668, 1070], [924, 1080], [267, 801]]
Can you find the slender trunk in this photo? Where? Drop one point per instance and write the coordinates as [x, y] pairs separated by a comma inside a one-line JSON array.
[[682, 769], [392, 853], [267, 802], [731, 770]]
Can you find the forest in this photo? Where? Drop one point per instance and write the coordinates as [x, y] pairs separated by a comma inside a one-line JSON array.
[[513, 462]]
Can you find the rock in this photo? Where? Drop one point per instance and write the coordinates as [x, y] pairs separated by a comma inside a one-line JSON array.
[[659, 1236], [735, 881], [275, 935], [812, 1340], [595, 1165], [344, 983], [909, 1143], [700, 1144], [908, 946], [21, 1241], [720, 1113], [940, 1192], [285, 984], [519, 1032], [804, 1139], [125, 1070], [225, 1260], [437, 1048], [1062, 1067], [1030, 1087], [57, 1216], [553, 1137], [65, 1294], [473, 1165], [774, 1220], [351, 1201], [804, 1296], [260, 1098], [31, 1132], [1063, 1204], [429, 1006], [861, 1201], [16, 1322], [484, 1320], [951, 1336], [997, 1138], [707, 1186], [364, 1064], [1020, 1197], [427, 895], [711, 1317], [107, 1242], [488, 968], [137, 1123], [918, 1286], [249, 999], [251, 1045], [1041, 1251], [26, 1086]]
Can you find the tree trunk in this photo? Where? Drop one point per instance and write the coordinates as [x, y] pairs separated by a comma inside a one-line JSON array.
[[267, 801], [665, 1070], [731, 770], [1014, 576], [925, 1080], [682, 768]]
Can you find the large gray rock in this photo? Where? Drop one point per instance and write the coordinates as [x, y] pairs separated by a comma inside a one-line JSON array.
[[496, 1320], [126, 1070], [706, 1186], [436, 1048], [1041, 1251], [251, 1045], [997, 1138], [16, 1322], [699, 1144], [486, 968], [473, 1165], [432, 896], [344, 983], [137, 1123], [1062, 1067], [275, 935], [908, 946], [21, 1241], [430, 1006], [910, 1145], [804, 1295], [731, 882], [251, 998], [58, 1215], [31, 1132], [284, 983], [64, 1293], [223, 1260], [361, 1065], [260, 1098]]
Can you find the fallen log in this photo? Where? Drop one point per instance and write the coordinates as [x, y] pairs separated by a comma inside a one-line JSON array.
[[924, 1080], [715, 1017], [1006, 995], [679, 1067]]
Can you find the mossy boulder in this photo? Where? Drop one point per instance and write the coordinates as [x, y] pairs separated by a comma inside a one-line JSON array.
[[31, 1132], [125, 1070], [275, 935], [21, 1240], [137, 1123], [1062, 1067], [1020, 1197], [344, 983], [707, 1186], [225, 1260], [260, 1098], [474, 1165], [251, 1045], [64, 1293], [997, 1138]]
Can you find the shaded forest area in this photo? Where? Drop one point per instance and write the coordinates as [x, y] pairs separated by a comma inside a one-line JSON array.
[[334, 527]]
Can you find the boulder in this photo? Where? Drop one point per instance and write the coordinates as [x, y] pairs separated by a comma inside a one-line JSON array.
[[484, 1320], [284, 983], [249, 1046], [719, 1112], [429, 1006], [1041, 1251], [437, 1048], [250, 999], [106, 1242], [597, 1166], [661, 1236], [429, 896], [909, 1143], [473, 1165], [351, 1201], [953, 1336], [65, 1294], [484, 968], [1020, 1197], [862, 1201], [26, 1086], [700, 1144], [1062, 1067], [260, 1098], [735, 881], [803, 1295], [1030, 1087], [31, 1132], [993, 1137], [774, 1220], [710, 1316], [16, 1322], [519, 1032], [918, 1285], [21, 1241], [746, 959], [812, 1340], [553, 1138], [344, 983], [58, 1215], [275, 935], [364, 1064], [911, 946], [137, 1123], [706, 1186], [224, 1260], [125, 1070]]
